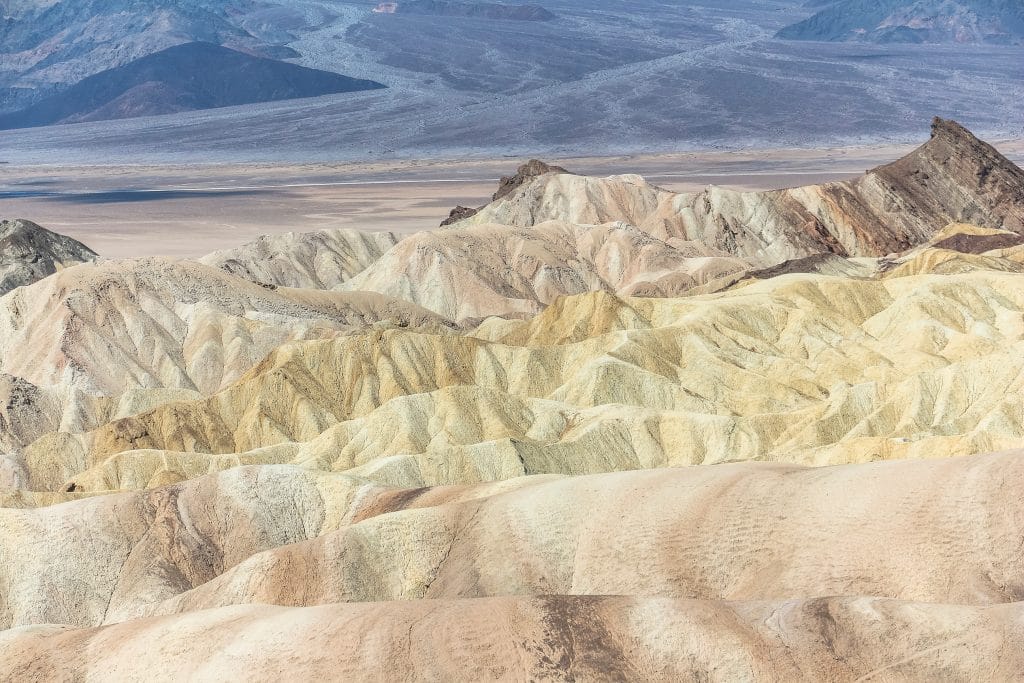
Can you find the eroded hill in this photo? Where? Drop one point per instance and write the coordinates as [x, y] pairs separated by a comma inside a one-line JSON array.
[[787, 423]]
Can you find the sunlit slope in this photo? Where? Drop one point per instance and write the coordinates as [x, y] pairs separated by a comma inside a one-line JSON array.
[[934, 530], [798, 368], [542, 638]]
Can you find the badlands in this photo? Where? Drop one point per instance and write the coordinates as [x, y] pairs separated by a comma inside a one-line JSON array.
[[591, 430]]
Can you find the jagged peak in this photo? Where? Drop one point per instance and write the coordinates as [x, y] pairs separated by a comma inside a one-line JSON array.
[[534, 168], [949, 128]]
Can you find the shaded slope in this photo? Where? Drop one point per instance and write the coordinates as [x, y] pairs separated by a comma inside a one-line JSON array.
[[182, 78], [29, 252]]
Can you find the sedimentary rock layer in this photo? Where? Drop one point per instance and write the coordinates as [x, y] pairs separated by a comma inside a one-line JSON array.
[[594, 430]]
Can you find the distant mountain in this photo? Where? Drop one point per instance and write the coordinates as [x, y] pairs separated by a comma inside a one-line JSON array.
[[922, 21], [182, 78], [457, 8], [48, 45]]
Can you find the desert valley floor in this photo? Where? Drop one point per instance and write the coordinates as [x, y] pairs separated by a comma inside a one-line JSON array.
[[144, 210], [607, 423]]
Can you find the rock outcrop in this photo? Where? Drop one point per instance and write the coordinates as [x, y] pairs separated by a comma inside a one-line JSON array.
[[29, 252], [534, 168], [953, 178]]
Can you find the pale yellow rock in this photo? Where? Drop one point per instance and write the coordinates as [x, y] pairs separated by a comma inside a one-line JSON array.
[[100, 341], [797, 368]]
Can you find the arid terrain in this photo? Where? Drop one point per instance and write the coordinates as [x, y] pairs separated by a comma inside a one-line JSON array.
[[751, 416], [138, 210]]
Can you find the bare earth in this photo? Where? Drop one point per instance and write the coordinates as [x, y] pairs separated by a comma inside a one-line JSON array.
[[595, 430], [187, 211]]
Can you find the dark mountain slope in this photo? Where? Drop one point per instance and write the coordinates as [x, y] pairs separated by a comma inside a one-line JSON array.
[[182, 78], [29, 252], [921, 21]]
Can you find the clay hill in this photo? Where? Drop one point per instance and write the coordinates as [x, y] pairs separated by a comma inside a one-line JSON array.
[[182, 78], [592, 430]]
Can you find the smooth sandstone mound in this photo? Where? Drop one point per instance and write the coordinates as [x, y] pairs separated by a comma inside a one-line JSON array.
[[939, 530], [103, 558], [543, 638]]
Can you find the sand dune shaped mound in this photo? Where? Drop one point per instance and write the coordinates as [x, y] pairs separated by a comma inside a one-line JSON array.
[[928, 530], [541, 638], [99, 558], [938, 530]]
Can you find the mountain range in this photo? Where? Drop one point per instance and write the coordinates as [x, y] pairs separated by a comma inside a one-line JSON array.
[[182, 78], [998, 22], [587, 429], [604, 75]]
